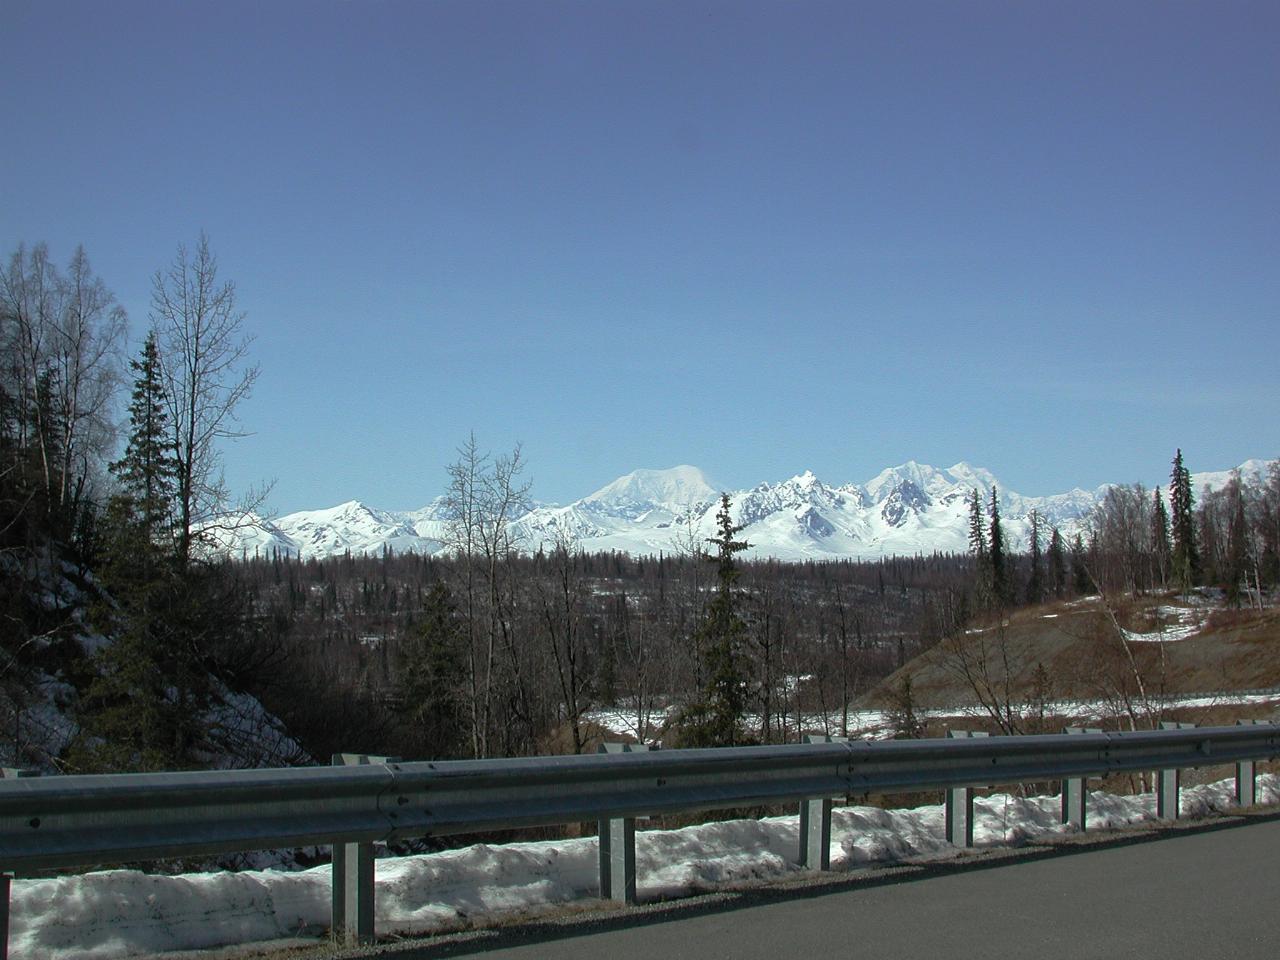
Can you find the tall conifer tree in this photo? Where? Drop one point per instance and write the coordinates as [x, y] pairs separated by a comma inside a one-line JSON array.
[[1079, 567], [978, 547], [977, 526], [1000, 579], [1035, 579], [142, 709], [1161, 549], [147, 472], [1057, 563], [715, 718], [1185, 556]]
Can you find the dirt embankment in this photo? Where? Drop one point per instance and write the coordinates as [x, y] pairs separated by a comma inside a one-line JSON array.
[[1090, 651]]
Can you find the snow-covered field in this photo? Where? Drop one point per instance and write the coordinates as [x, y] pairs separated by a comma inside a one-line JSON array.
[[625, 721], [125, 913]]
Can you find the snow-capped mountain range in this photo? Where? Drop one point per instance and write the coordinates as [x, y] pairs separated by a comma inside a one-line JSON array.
[[904, 510]]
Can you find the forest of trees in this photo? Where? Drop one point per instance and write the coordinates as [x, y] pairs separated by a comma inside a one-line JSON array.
[[1229, 540], [118, 615], [422, 655], [109, 475]]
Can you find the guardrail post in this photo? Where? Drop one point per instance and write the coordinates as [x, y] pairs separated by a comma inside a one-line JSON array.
[[959, 816], [958, 805], [815, 822], [1246, 781], [815, 833], [617, 844], [352, 901], [1169, 782], [1074, 790]]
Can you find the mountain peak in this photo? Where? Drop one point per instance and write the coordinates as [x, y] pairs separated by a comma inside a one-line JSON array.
[[919, 475], [971, 476], [674, 488]]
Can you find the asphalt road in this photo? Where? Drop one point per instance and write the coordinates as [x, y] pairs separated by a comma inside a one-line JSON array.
[[1190, 894]]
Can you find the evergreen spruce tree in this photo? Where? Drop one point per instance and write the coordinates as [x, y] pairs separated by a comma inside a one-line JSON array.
[[715, 718], [1057, 563], [142, 708], [904, 716], [1161, 549], [978, 548], [1080, 578], [148, 472], [977, 526], [430, 674], [1001, 582], [1035, 578], [1185, 558]]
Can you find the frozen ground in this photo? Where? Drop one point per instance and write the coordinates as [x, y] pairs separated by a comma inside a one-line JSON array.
[[125, 913]]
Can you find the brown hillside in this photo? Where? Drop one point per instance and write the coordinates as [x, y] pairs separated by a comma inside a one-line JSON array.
[[1164, 645]]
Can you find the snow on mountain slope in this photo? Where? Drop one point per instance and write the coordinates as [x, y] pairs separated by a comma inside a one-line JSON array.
[[644, 511], [351, 526], [637, 493], [248, 535], [908, 509], [1252, 473]]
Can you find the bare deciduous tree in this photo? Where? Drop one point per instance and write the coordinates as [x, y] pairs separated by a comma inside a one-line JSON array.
[[62, 335], [486, 495], [562, 616], [204, 358]]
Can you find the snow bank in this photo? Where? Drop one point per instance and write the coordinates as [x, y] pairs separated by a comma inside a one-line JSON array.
[[125, 913]]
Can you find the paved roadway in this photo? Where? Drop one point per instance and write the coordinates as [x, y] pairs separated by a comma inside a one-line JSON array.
[[1192, 893]]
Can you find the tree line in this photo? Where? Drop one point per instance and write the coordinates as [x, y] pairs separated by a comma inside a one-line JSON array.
[[1229, 541]]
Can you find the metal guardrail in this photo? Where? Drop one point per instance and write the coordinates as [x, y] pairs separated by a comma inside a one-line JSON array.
[[68, 821]]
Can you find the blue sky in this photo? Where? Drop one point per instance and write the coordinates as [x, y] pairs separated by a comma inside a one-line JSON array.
[[755, 237]]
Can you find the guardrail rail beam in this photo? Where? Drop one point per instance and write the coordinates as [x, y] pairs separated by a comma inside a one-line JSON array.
[[87, 820]]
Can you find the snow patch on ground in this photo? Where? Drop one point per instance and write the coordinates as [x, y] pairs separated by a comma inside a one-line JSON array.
[[125, 913], [1177, 623], [871, 724]]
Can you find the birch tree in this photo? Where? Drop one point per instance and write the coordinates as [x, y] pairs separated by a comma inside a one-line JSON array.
[[62, 337]]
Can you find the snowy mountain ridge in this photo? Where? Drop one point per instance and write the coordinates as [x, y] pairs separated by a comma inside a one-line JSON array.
[[904, 510]]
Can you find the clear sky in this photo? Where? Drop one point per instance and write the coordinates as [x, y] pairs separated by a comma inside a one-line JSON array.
[[756, 237]]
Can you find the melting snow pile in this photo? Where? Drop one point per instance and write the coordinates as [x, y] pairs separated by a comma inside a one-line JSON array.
[[124, 913]]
